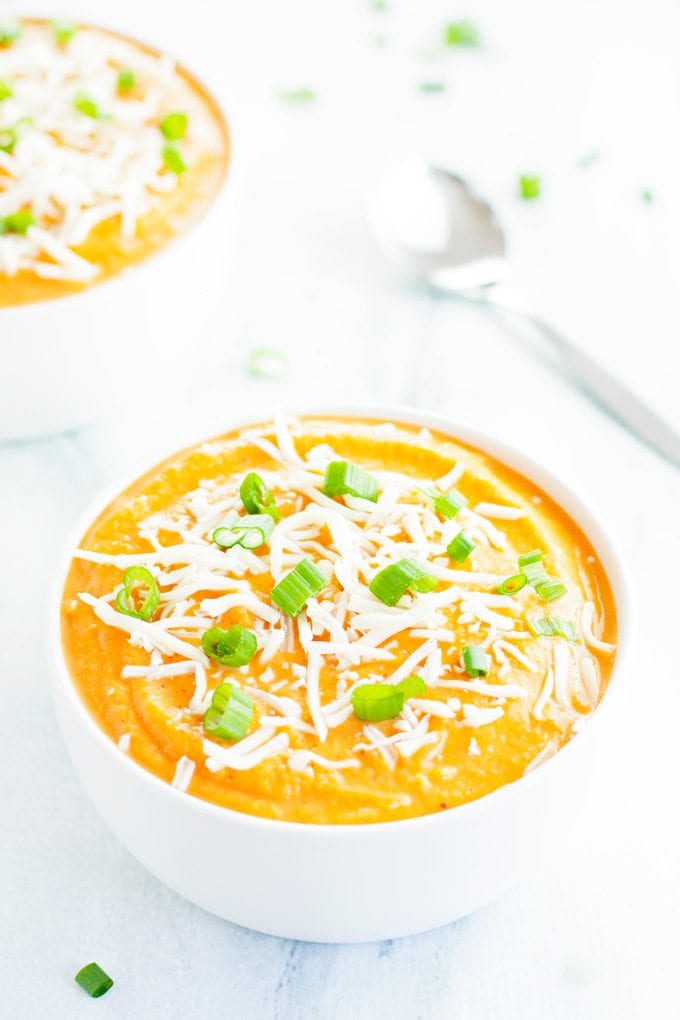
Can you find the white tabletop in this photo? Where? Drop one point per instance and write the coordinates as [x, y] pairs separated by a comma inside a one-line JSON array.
[[595, 933]]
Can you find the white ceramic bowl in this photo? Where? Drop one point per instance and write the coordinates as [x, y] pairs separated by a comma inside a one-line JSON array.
[[71, 360], [344, 883]]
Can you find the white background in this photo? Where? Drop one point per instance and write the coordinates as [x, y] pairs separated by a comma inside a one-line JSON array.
[[595, 934]]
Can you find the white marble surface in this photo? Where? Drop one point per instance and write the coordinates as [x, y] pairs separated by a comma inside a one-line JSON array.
[[595, 933]]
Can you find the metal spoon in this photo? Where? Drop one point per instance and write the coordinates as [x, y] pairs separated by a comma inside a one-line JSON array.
[[461, 250]]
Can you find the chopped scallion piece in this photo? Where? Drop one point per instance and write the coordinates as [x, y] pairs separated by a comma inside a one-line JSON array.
[[18, 222], [531, 565], [127, 80], [93, 980], [266, 363], [233, 647], [475, 661], [257, 497], [461, 33], [63, 31], [377, 702], [174, 126], [512, 585], [550, 590], [172, 158], [391, 583], [88, 107], [300, 584], [9, 33], [529, 186], [460, 547], [250, 532], [6, 90], [450, 503], [230, 713], [412, 687], [141, 582], [343, 478], [553, 626]]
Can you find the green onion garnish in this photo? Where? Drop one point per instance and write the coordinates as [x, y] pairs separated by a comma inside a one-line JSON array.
[[86, 105], [529, 186], [298, 585], [172, 158], [304, 95], [9, 33], [94, 980], [127, 80], [378, 702], [257, 497], [412, 686], [553, 626], [174, 126], [230, 713], [233, 647], [266, 363], [391, 583], [450, 503], [476, 661], [250, 532], [531, 565], [63, 31], [550, 590], [460, 547], [6, 90], [18, 222], [511, 585], [343, 478], [461, 33], [136, 578]]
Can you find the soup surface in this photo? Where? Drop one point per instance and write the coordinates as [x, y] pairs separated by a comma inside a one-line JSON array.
[[386, 677], [108, 151]]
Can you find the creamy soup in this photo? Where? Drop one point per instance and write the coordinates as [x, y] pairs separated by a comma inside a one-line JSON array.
[[108, 151], [337, 621]]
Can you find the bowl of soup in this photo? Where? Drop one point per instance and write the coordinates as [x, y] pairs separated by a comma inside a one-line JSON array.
[[339, 676], [112, 210]]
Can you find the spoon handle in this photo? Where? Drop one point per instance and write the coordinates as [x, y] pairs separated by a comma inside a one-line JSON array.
[[612, 395]]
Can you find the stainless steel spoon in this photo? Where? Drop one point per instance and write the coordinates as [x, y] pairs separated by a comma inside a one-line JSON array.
[[462, 252]]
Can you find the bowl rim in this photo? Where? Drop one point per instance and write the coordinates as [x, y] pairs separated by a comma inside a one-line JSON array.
[[197, 83], [587, 519]]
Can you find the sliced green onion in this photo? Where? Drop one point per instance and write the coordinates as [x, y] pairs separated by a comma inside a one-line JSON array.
[[391, 583], [450, 503], [412, 687], [304, 95], [531, 565], [553, 626], [93, 980], [529, 186], [535, 556], [257, 497], [266, 363], [250, 532], [511, 585], [127, 80], [550, 590], [233, 647], [461, 33], [174, 126], [172, 159], [6, 90], [9, 33], [343, 478], [460, 547], [230, 713], [88, 107], [298, 585], [18, 222], [377, 702], [63, 31], [476, 661], [138, 578]]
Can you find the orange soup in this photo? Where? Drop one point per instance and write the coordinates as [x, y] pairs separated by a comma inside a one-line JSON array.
[[337, 621], [108, 151]]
